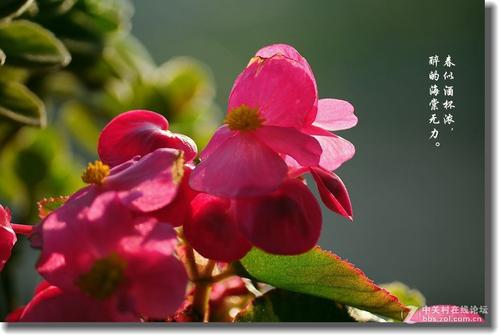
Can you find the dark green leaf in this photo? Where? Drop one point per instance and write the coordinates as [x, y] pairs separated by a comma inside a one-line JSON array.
[[28, 44], [13, 8], [323, 274], [19, 104], [285, 306]]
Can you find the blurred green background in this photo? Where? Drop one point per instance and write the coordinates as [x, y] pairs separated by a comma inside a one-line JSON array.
[[419, 209]]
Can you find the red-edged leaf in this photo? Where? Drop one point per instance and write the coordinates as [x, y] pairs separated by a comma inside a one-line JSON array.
[[322, 273]]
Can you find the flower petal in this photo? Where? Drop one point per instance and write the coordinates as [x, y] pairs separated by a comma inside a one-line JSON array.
[[304, 148], [281, 89], [287, 221], [178, 211], [213, 231], [159, 284], [55, 305], [156, 279], [333, 192], [241, 166], [283, 50], [221, 135], [335, 150], [149, 183], [289, 52], [15, 315], [334, 114], [7, 236], [137, 133]]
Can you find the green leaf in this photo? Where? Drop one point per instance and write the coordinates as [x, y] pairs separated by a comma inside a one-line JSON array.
[[28, 44], [103, 17], [13, 8], [183, 81], [280, 305], [321, 273], [19, 104], [405, 294], [127, 57]]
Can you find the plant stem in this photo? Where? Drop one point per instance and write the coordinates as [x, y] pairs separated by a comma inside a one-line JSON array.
[[208, 270], [200, 303], [202, 290], [191, 262], [22, 229]]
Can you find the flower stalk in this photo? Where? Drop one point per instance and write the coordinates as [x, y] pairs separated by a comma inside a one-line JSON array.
[[202, 290], [22, 229]]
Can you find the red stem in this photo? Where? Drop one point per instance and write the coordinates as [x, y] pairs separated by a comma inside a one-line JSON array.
[[22, 229]]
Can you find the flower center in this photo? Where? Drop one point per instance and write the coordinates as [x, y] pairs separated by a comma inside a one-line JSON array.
[[95, 173], [178, 168], [104, 277], [244, 118]]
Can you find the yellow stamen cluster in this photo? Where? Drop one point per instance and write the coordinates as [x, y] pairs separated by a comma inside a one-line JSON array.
[[104, 277], [178, 168], [244, 118], [95, 173]]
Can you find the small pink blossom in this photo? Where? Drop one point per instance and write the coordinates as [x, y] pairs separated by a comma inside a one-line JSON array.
[[270, 102], [112, 256]]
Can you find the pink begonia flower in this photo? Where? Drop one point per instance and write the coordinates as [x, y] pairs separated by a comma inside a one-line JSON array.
[[140, 133], [270, 102], [329, 115], [443, 314], [107, 253], [137, 133], [143, 184], [7, 236], [287, 221]]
